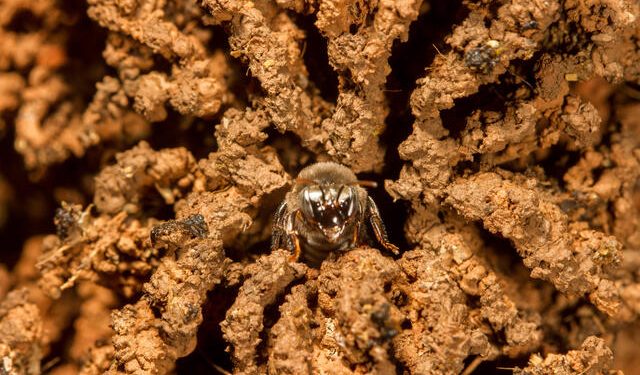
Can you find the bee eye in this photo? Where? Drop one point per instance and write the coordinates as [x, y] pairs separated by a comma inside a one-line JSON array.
[[311, 203], [346, 200], [344, 203]]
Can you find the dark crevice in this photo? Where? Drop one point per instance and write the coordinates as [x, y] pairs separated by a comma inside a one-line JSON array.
[[33, 204], [575, 318], [270, 318], [504, 259], [466, 168], [567, 36], [239, 83], [258, 249], [489, 98], [249, 244], [523, 72], [85, 65], [618, 99], [492, 11], [291, 153], [32, 208], [195, 134], [211, 348], [58, 350], [154, 205], [408, 62], [160, 63], [502, 255], [501, 365], [558, 161], [316, 58], [393, 214], [473, 302], [23, 22], [401, 368]]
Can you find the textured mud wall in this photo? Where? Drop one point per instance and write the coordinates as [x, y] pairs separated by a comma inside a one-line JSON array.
[[144, 146]]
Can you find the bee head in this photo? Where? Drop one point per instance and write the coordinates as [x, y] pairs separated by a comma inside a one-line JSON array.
[[329, 207]]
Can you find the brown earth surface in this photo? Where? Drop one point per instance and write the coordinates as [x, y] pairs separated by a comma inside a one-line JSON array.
[[145, 145]]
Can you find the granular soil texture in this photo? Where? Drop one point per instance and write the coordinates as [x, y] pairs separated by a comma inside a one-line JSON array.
[[145, 145]]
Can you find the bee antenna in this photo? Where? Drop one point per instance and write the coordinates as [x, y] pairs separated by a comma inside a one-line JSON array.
[[367, 183], [303, 181]]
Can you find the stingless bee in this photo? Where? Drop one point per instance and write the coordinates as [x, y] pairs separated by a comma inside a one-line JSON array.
[[327, 210]]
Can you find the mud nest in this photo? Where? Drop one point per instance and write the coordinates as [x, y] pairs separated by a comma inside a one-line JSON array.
[[145, 145]]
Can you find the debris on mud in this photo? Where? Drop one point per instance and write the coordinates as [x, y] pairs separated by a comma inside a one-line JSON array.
[[144, 147], [593, 357]]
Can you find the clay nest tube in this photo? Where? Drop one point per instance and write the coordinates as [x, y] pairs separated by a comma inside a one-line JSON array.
[[156, 139]]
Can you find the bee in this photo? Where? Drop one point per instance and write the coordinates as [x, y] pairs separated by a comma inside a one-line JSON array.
[[327, 210]]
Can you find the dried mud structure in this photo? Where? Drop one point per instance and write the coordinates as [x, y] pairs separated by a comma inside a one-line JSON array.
[[144, 146]]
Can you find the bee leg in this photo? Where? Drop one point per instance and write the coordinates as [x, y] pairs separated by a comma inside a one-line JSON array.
[[293, 237], [356, 236], [294, 240], [284, 234], [378, 227], [279, 238]]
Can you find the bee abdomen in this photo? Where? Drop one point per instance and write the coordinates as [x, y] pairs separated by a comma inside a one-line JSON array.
[[315, 254]]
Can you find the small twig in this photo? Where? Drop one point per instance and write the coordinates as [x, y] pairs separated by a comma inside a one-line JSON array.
[[49, 257], [521, 78], [304, 49], [473, 365], [50, 364], [584, 371], [437, 50]]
